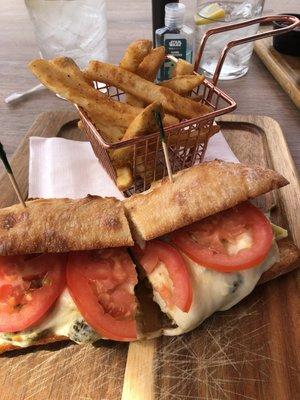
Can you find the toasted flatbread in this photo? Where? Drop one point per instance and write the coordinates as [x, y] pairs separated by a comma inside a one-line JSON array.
[[61, 225], [50, 338], [196, 193]]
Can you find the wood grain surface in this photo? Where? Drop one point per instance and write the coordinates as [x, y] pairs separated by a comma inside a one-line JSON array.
[[284, 68], [257, 93], [48, 124], [248, 352]]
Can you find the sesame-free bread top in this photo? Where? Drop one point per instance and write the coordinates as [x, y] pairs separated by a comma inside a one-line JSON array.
[[61, 225], [196, 193]]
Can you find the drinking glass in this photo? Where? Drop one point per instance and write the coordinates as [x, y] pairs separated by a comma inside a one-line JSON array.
[[212, 14], [71, 28]]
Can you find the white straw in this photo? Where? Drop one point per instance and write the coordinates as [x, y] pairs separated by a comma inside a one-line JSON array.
[[16, 96]]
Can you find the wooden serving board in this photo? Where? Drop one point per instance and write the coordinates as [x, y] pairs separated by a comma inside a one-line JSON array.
[[284, 68], [248, 352]]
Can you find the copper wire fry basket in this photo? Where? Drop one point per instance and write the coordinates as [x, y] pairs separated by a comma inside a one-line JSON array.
[[187, 140]]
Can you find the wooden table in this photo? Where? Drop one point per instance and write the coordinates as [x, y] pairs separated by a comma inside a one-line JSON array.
[[257, 93]]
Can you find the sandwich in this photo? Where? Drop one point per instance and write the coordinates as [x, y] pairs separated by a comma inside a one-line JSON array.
[[159, 262], [43, 290], [211, 246]]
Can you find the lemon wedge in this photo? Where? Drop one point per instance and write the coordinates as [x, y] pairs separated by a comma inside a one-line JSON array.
[[210, 13]]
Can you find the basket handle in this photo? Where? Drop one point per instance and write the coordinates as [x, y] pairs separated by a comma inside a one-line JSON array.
[[292, 22]]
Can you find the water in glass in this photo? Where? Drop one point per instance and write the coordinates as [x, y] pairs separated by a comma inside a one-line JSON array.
[[72, 28], [237, 60]]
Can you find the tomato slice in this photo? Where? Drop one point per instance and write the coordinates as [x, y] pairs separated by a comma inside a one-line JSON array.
[[179, 293], [101, 283], [29, 285], [232, 240]]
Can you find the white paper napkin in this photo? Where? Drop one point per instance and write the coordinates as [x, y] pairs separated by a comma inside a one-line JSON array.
[[66, 168], [218, 148]]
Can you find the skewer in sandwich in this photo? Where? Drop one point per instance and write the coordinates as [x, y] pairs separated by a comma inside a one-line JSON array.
[[66, 272]]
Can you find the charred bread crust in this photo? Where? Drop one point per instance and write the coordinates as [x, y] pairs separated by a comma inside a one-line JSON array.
[[61, 225], [46, 340], [196, 193]]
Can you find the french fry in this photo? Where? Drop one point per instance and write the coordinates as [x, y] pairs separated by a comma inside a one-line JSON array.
[[190, 139], [183, 84], [69, 66], [182, 67], [197, 98], [111, 134], [111, 117], [134, 54], [134, 101], [124, 178], [184, 139], [150, 65], [170, 119], [145, 90], [148, 69], [78, 91], [119, 121], [144, 123], [62, 76], [80, 125]]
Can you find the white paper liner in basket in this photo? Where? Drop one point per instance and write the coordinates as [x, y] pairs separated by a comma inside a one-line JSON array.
[[67, 168]]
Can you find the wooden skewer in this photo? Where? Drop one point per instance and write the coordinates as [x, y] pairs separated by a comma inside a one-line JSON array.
[[11, 175], [166, 154], [164, 144], [139, 372]]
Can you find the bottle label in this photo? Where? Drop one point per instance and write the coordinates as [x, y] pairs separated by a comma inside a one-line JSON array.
[[176, 46]]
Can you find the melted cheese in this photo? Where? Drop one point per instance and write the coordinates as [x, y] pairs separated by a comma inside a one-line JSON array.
[[212, 291], [160, 277], [244, 242], [64, 319]]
